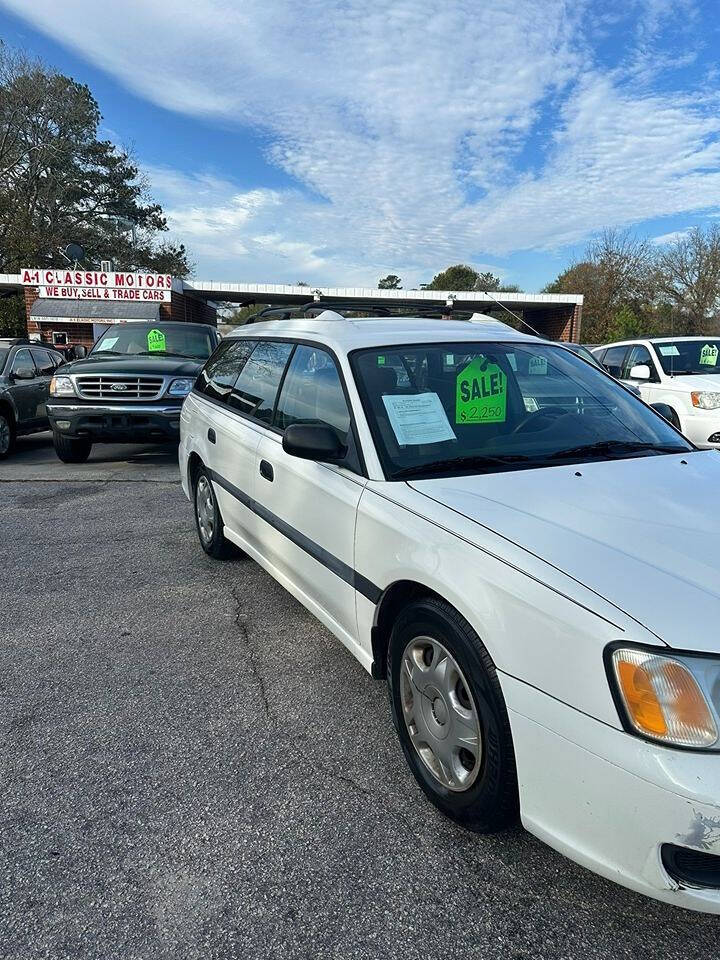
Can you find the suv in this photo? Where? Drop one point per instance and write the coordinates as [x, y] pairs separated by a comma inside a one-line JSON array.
[[129, 388], [517, 543], [25, 371], [677, 371]]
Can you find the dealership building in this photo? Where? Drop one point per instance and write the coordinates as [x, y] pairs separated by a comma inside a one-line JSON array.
[[74, 306]]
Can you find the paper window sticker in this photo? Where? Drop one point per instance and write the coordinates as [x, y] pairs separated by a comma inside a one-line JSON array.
[[537, 366], [381, 361], [449, 359], [418, 418], [108, 343], [481, 393], [709, 355], [531, 404], [669, 350], [156, 341]]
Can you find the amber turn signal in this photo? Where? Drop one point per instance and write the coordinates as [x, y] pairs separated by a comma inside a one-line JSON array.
[[662, 698]]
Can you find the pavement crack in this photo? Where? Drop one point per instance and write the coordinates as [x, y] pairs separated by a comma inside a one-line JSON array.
[[242, 625]]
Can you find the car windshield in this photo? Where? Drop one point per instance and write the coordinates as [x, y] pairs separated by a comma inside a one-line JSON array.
[[684, 357], [453, 408], [132, 339]]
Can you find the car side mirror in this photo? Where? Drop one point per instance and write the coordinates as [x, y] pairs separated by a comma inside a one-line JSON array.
[[665, 411], [313, 441], [24, 373], [640, 372], [79, 351]]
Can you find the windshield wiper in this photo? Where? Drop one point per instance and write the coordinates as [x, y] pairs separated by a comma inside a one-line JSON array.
[[440, 466], [614, 446]]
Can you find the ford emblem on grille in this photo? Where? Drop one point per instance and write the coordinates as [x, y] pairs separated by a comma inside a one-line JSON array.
[[119, 386]]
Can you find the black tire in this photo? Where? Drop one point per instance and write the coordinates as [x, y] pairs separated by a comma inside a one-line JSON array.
[[7, 434], [491, 801], [71, 449], [208, 519]]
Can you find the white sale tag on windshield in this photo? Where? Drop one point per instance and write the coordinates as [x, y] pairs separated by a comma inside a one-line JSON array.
[[671, 351], [418, 418], [108, 343]]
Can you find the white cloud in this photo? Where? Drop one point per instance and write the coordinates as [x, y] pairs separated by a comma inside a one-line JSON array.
[[666, 238], [405, 119]]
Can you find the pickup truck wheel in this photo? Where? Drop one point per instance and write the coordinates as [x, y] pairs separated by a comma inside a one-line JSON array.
[[209, 521], [7, 435], [71, 449], [450, 716]]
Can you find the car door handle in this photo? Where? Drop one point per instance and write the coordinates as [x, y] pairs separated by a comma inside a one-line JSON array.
[[211, 435], [266, 470]]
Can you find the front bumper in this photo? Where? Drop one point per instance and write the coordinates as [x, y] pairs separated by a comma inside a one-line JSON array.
[[699, 426], [117, 422], [609, 800]]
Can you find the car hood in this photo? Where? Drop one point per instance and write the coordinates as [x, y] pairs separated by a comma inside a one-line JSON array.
[[642, 533], [160, 365], [696, 382]]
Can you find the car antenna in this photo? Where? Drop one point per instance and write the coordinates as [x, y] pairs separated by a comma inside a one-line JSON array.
[[512, 314]]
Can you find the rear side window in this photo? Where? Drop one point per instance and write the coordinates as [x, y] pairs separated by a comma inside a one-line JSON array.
[[223, 368], [43, 361], [256, 388], [312, 393], [613, 360]]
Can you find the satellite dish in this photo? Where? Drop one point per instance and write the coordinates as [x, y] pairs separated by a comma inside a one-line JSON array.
[[73, 251]]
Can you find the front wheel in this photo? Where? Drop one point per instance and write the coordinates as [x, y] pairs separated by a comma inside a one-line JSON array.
[[450, 716], [71, 449], [7, 435]]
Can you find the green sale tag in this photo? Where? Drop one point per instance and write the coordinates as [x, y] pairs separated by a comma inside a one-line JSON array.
[[156, 341], [481, 393], [709, 355]]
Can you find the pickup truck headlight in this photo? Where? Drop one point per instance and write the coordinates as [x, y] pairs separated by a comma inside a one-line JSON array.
[[669, 697], [180, 387], [705, 400], [62, 387]]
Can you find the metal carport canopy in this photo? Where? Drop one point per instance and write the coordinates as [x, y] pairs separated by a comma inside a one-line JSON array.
[[285, 293]]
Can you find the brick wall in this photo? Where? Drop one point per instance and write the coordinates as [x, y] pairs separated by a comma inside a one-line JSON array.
[[557, 323], [188, 309]]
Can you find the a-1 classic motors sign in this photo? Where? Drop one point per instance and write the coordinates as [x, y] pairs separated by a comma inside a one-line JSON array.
[[99, 284]]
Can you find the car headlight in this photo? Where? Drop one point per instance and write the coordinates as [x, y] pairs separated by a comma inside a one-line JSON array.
[[180, 387], [62, 387], [673, 698], [705, 400]]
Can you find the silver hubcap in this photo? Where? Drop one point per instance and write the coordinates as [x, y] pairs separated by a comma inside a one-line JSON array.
[[439, 713], [205, 509], [4, 435]]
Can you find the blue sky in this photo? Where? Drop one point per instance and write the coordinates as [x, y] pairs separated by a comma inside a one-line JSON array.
[[335, 141]]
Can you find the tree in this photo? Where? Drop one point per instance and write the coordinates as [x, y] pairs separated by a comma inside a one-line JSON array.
[[616, 271], [60, 183], [12, 316], [688, 279], [390, 282], [458, 277]]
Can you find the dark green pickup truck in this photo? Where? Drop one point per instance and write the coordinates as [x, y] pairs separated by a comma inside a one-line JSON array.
[[129, 388]]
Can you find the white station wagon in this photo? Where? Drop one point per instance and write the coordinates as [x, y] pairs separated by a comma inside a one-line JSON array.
[[524, 549]]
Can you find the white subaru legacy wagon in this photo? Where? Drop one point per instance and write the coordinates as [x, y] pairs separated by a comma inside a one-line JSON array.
[[525, 550]]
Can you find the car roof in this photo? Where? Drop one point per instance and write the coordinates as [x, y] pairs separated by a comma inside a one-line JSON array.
[[346, 334], [627, 343]]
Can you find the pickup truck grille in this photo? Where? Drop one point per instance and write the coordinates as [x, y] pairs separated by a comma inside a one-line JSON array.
[[106, 387]]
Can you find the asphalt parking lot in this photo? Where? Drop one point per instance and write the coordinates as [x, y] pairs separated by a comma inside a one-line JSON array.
[[192, 767]]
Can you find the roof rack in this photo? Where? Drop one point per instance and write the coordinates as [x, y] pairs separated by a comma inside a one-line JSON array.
[[398, 309]]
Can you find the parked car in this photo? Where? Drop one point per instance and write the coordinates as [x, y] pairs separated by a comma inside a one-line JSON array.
[[25, 371], [537, 579], [129, 388], [677, 371]]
